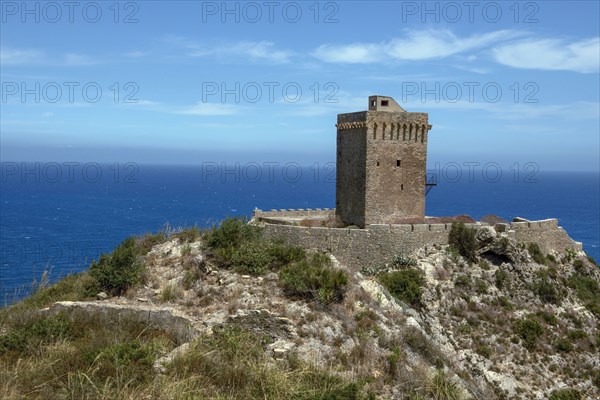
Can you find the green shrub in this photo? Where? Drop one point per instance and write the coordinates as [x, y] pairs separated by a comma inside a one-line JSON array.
[[259, 257], [400, 260], [547, 317], [70, 288], [536, 253], [547, 292], [231, 233], [169, 293], [135, 355], [190, 277], [463, 240], [579, 265], [481, 286], [501, 278], [237, 245], [585, 287], [528, 330], [404, 284], [416, 340], [485, 351], [120, 270], [464, 281], [565, 394], [564, 345], [587, 290], [252, 258], [443, 387], [314, 279], [188, 235], [28, 337], [186, 250], [146, 242]]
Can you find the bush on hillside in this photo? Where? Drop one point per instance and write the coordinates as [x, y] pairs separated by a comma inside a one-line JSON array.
[[463, 240]]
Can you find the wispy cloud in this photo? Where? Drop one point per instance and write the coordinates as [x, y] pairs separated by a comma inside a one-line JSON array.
[[137, 54], [208, 109], [243, 50], [415, 45], [551, 54], [75, 59], [16, 57], [12, 56], [517, 111]]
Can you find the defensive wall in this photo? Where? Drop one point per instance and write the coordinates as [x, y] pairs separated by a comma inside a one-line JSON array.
[[377, 244]]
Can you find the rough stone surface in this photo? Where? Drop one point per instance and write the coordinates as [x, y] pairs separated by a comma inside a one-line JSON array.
[[378, 244], [381, 161]]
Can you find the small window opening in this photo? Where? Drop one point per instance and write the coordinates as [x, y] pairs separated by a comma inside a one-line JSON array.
[[378, 163], [385, 103], [402, 186], [397, 163], [373, 103]]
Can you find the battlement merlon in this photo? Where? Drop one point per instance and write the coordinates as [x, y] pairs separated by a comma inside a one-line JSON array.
[[382, 109], [361, 119]]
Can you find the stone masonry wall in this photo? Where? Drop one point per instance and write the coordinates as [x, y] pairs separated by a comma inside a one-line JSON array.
[[377, 244], [381, 161], [295, 213]]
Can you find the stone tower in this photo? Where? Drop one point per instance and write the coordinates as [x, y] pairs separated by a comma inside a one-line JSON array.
[[381, 162]]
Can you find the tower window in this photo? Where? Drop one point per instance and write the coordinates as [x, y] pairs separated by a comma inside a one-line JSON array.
[[378, 163], [397, 163], [385, 103], [374, 103], [402, 186]]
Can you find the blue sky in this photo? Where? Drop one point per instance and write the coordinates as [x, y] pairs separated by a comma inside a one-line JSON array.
[[192, 82]]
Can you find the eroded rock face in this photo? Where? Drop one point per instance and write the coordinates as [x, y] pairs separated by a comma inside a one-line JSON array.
[[500, 249], [486, 234]]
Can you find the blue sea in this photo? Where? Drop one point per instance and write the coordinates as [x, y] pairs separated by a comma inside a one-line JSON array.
[[58, 217]]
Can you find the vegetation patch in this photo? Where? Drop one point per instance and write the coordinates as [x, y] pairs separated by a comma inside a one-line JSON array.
[[235, 244], [116, 272], [231, 364], [546, 290], [314, 279], [565, 394], [405, 285], [463, 240], [529, 331], [60, 357], [536, 254], [587, 291]]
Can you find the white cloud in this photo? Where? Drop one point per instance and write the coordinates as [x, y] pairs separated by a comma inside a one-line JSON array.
[[11, 56], [516, 111], [262, 50], [356, 53], [423, 45], [415, 45], [74, 59], [255, 51], [208, 109], [137, 54], [551, 54]]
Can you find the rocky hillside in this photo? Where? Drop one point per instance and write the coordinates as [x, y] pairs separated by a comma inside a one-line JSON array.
[[225, 314]]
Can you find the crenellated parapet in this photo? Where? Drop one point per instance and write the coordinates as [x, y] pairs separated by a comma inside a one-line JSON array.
[[293, 213], [378, 243]]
